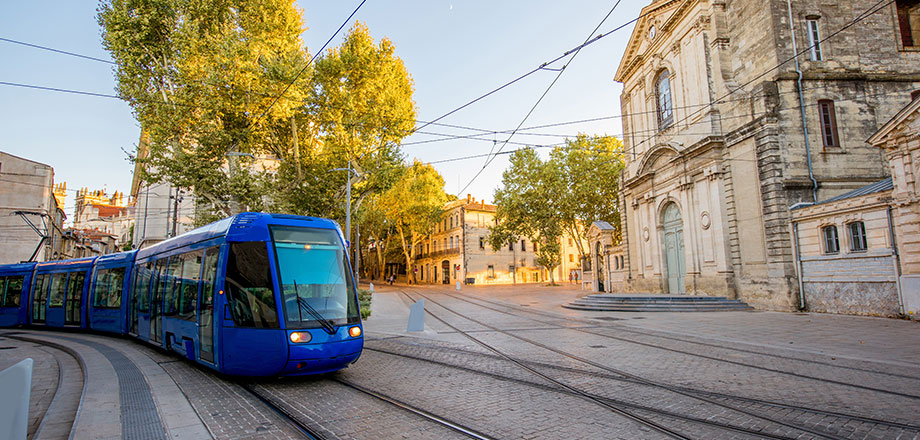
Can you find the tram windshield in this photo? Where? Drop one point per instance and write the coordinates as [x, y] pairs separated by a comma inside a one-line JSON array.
[[317, 291]]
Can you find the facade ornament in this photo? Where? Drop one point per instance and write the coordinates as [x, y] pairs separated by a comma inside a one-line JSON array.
[[645, 234], [705, 221]]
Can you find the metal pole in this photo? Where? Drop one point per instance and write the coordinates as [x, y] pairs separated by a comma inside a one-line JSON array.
[[348, 205], [357, 253]]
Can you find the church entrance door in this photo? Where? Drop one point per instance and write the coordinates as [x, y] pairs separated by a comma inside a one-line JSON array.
[[674, 249]]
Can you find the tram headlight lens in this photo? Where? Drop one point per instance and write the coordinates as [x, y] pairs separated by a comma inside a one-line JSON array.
[[300, 337], [354, 332]]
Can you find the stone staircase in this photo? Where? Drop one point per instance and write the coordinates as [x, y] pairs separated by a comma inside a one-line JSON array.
[[609, 302]]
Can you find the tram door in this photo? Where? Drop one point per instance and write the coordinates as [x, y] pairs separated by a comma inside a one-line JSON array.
[[206, 306], [39, 298], [74, 298], [156, 303]]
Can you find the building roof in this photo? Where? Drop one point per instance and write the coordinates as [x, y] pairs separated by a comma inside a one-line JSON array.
[[881, 136], [880, 186], [604, 226]]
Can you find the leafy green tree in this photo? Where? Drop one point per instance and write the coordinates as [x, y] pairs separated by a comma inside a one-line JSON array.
[[587, 190], [526, 208], [202, 77], [358, 111], [413, 205]]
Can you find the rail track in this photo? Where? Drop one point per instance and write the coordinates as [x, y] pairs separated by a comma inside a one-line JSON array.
[[724, 401]]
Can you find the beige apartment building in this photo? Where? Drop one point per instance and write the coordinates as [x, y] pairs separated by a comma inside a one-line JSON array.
[[722, 135], [458, 250]]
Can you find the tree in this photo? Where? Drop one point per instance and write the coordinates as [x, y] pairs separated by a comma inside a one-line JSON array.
[[525, 207], [202, 77], [414, 205], [576, 186], [358, 111], [588, 190]]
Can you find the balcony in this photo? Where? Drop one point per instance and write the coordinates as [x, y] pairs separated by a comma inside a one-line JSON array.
[[436, 254]]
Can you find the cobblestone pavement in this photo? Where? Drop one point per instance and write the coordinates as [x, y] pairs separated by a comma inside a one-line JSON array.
[[523, 367]]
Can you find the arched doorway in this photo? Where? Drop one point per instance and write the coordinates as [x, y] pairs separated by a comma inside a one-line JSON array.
[[599, 263], [675, 266], [445, 267]]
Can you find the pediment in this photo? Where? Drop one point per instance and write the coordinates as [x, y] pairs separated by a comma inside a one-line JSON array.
[[657, 158], [662, 14]]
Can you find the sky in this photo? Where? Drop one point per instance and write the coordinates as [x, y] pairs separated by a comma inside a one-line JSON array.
[[455, 51]]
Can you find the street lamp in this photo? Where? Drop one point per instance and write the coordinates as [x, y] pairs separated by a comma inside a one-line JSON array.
[[348, 213]]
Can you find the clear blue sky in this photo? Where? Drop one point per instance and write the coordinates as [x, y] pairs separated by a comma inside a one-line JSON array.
[[455, 51]]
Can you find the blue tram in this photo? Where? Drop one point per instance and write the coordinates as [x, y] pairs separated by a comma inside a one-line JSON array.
[[254, 294]]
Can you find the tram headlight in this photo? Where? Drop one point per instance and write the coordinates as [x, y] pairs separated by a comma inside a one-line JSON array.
[[300, 337], [354, 332]]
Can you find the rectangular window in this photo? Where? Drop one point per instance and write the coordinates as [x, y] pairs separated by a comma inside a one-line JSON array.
[[828, 119], [831, 244], [857, 237], [249, 286], [571, 258], [511, 246], [188, 294], [58, 290], [523, 246], [814, 40], [109, 284], [173, 273], [11, 291], [482, 243], [909, 22], [570, 242], [491, 272]]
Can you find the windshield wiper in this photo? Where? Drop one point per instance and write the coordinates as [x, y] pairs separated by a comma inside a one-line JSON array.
[[304, 305]]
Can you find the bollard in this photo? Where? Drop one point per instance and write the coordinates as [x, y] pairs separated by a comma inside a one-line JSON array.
[[371, 288], [16, 383], [458, 284], [417, 317]]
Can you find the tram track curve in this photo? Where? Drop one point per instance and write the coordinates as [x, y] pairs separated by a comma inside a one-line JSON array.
[[641, 380], [589, 321]]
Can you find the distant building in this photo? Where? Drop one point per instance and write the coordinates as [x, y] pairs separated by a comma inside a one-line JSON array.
[[31, 211], [96, 211], [458, 250], [162, 210], [81, 243]]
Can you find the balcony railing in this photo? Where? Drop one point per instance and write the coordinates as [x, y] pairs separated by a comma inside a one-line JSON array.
[[435, 254]]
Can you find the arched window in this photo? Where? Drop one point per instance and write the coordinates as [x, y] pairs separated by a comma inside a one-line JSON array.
[[665, 104]]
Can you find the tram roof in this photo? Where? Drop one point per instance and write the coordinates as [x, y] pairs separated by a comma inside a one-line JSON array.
[[16, 268], [63, 264], [246, 226]]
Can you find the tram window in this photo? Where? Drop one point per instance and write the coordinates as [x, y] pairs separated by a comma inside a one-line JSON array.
[[109, 284], [172, 285], [11, 291], [208, 278], [249, 286], [141, 285], [58, 289], [191, 270]]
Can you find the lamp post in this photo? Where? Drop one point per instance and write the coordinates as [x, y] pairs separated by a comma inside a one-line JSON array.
[[348, 211]]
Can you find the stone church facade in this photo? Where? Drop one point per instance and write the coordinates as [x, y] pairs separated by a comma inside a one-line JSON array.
[[723, 136]]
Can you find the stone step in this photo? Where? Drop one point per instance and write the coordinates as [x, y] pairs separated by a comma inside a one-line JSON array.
[[656, 303]]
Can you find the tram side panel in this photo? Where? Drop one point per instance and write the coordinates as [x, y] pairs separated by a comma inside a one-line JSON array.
[[15, 280], [111, 284]]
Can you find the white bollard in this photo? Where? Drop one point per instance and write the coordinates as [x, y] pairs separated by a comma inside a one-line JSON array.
[[417, 317], [458, 285], [372, 288], [16, 383]]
